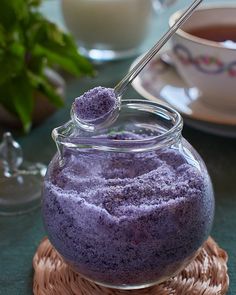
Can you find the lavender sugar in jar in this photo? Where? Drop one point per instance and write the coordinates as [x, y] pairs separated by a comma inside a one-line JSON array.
[[128, 206]]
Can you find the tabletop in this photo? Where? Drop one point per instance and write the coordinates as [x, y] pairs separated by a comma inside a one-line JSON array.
[[20, 235]]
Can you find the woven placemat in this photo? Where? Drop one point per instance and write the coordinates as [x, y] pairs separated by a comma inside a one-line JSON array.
[[206, 275]]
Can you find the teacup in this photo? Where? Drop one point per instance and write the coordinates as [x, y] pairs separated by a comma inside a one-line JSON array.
[[203, 59]]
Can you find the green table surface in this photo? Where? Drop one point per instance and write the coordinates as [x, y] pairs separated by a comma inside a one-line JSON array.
[[20, 236]]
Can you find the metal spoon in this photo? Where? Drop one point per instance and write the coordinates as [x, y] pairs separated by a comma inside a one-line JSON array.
[[123, 84]]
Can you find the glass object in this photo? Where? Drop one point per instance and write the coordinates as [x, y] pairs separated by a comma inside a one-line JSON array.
[[20, 182], [108, 29], [159, 5], [128, 206]]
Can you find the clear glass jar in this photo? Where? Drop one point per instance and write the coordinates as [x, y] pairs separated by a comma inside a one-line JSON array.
[[108, 29], [129, 206]]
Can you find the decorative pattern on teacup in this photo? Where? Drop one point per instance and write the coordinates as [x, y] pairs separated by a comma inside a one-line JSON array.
[[158, 65], [150, 77], [204, 63]]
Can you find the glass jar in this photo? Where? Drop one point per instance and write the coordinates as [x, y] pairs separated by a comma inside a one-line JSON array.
[[108, 29], [130, 205]]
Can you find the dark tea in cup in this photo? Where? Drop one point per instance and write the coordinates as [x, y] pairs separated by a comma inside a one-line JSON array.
[[218, 33]]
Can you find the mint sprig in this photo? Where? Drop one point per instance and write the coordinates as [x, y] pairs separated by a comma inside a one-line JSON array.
[[29, 44]]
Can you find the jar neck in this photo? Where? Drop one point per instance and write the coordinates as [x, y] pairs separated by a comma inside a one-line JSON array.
[[162, 124]]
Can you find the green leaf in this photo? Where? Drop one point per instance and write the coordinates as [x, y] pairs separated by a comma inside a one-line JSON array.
[[41, 83], [54, 34], [17, 97], [12, 11], [5, 98], [2, 37], [72, 53], [72, 64], [11, 61], [7, 15], [23, 104], [17, 49], [59, 48], [20, 8], [54, 58]]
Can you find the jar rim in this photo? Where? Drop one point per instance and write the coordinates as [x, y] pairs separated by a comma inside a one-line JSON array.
[[62, 134]]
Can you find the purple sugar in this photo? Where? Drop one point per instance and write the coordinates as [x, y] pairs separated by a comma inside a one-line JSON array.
[[95, 104], [127, 218]]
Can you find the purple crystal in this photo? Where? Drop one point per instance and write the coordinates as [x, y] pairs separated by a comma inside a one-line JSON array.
[[127, 218], [95, 104]]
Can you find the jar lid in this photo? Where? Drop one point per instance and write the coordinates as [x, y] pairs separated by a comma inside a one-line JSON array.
[[20, 181]]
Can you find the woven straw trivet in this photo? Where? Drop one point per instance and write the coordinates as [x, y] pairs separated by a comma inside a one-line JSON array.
[[206, 275]]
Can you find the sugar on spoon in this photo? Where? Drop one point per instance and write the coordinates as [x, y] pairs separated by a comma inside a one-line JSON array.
[[100, 106]]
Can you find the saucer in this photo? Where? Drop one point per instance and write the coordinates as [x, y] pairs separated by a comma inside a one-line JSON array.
[[160, 82]]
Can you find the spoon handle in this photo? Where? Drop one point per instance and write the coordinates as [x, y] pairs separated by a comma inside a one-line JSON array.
[[122, 85]]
